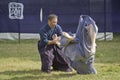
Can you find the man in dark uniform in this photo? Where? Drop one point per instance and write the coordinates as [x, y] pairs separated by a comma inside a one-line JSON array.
[[50, 53]]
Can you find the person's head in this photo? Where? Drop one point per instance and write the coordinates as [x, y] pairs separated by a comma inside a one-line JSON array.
[[52, 20]]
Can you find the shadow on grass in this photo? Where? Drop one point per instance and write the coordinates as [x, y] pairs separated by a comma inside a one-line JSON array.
[[36, 74]]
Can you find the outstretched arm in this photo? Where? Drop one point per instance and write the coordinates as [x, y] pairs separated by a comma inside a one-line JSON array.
[[70, 38], [93, 38]]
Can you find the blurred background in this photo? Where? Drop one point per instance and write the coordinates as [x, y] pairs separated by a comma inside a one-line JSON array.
[[22, 19]]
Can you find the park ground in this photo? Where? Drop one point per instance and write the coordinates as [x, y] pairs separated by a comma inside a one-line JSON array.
[[21, 61]]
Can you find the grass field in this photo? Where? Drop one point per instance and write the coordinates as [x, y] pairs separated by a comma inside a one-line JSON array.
[[22, 62]]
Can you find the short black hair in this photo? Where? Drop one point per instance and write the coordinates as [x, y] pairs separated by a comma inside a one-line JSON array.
[[52, 16]]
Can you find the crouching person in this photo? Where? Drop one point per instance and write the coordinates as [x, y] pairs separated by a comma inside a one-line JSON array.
[[52, 55]]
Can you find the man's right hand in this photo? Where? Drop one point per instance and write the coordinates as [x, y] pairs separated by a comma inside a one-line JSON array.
[[56, 39]]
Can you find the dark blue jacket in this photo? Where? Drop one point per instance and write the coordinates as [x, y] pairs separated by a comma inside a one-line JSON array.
[[46, 34]]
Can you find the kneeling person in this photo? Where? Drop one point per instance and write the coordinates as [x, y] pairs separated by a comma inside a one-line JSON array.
[[50, 53]]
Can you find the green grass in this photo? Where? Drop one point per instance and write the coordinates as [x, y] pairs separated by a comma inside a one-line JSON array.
[[22, 62]]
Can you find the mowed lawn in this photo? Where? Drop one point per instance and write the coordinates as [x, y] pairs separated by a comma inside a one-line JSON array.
[[20, 61]]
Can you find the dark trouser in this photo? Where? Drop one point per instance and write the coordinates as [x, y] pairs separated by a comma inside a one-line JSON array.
[[51, 55]]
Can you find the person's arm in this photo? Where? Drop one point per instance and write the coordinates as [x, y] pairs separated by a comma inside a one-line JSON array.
[[92, 37], [70, 38], [56, 39], [45, 40]]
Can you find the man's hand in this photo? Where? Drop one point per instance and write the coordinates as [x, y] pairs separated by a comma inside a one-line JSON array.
[[56, 39]]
